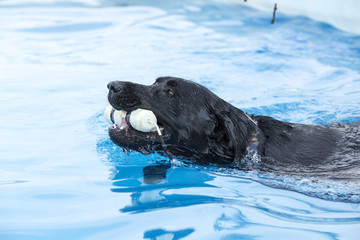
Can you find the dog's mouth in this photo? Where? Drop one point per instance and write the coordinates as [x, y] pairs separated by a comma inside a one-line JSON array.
[[137, 130], [128, 131]]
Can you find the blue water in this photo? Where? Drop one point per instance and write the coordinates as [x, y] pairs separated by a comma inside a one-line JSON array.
[[62, 178]]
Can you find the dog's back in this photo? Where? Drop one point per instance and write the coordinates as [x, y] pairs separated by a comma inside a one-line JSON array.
[[331, 151]]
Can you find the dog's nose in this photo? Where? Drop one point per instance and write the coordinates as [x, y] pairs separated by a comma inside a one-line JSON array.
[[115, 86], [109, 85]]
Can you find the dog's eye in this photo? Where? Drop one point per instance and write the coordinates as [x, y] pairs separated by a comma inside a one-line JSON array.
[[170, 92]]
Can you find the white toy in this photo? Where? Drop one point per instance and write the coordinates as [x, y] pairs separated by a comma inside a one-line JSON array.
[[140, 119], [116, 117], [143, 120]]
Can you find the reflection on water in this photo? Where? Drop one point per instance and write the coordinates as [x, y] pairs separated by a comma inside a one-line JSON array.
[[154, 174], [157, 186], [163, 234], [237, 204]]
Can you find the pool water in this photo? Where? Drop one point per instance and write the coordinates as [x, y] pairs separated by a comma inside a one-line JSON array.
[[62, 178]]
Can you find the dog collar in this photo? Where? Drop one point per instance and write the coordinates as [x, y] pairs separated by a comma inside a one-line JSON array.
[[252, 157], [254, 142]]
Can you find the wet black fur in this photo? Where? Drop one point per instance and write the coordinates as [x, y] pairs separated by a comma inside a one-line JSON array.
[[204, 128]]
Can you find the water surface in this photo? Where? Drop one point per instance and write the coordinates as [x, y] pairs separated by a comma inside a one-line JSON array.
[[62, 178]]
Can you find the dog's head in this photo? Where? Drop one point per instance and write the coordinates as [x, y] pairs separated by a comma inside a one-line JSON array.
[[196, 124]]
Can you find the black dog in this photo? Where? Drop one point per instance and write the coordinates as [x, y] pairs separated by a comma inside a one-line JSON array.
[[199, 126]]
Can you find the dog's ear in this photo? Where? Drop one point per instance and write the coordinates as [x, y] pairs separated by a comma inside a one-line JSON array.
[[229, 136]]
